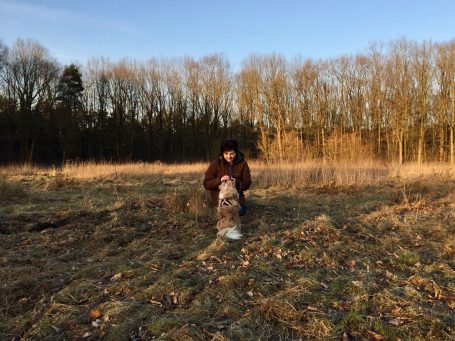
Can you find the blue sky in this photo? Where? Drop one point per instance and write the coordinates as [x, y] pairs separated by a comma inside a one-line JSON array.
[[77, 30]]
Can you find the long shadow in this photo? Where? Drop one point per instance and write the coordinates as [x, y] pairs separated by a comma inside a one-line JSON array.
[[342, 206]]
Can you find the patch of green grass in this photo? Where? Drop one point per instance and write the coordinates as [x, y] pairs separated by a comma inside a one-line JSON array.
[[338, 286], [354, 320], [163, 325], [408, 258], [387, 331]]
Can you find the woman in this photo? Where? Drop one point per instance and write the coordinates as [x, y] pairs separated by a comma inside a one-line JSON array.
[[229, 164]]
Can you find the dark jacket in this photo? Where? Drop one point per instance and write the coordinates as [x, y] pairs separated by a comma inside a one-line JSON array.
[[220, 167]]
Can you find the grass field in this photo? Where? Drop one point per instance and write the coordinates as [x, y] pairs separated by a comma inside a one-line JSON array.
[[330, 252]]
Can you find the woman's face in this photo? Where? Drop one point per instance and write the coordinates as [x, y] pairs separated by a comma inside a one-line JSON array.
[[229, 155]]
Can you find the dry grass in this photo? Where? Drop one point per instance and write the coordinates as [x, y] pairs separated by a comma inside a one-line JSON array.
[[359, 252], [22, 169], [317, 173], [86, 171], [269, 174]]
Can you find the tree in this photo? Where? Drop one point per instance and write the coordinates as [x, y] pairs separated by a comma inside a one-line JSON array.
[[70, 89], [7, 110], [31, 75], [422, 75], [69, 109]]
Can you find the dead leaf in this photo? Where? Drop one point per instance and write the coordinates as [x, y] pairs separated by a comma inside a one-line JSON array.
[[396, 311], [156, 302], [437, 291], [395, 322], [358, 284], [95, 313], [375, 336], [117, 276], [171, 298]]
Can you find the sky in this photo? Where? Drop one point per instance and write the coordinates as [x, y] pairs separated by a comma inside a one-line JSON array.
[[78, 30]]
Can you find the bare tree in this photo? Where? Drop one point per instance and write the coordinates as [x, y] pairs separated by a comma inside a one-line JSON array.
[[376, 94], [421, 79], [445, 96], [399, 97], [397, 101], [249, 100], [304, 79], [31, 74]]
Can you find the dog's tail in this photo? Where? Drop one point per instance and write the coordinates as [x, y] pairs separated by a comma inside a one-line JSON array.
[[230, 233]]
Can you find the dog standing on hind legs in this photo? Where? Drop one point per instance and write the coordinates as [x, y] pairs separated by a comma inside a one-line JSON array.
[[228, 211]]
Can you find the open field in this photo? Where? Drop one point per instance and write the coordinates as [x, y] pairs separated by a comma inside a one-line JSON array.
[[334, 252]]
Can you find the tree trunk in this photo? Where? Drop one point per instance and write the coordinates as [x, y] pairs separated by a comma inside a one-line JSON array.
[[420, 144], [323, 145], [451, 146], [441, 143], [279, 140]]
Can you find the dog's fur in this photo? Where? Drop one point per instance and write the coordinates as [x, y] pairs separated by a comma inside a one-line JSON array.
[[228, 211]]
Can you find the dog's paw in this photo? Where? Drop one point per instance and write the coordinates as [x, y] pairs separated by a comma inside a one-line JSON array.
[[230, 233]]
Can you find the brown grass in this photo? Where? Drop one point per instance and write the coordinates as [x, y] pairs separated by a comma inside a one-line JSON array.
[[139, 170], [362, 251], [341, 173]]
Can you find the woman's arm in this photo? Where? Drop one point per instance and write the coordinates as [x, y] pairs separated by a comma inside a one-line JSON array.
[[211, 180], [245, 183]]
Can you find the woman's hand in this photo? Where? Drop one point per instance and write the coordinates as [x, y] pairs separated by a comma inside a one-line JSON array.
[[225, 178]]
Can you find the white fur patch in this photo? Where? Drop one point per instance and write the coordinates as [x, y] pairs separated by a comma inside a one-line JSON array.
[[230, 233]]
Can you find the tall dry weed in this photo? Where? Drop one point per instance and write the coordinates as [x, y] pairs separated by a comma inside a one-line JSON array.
[[317, 173], [343, 173], [89, 170], [281, 174], [23, 169], [414, 170]]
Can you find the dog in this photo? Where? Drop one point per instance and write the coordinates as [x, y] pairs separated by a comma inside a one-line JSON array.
[[228, 211]]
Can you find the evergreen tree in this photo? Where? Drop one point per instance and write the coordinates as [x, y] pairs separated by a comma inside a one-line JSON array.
[[69, 111], [70, 88]]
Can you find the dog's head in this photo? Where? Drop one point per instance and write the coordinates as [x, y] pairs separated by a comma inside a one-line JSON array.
[[228, 190]]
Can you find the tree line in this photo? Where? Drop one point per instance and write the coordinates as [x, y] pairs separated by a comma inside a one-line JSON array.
[[393, 102]]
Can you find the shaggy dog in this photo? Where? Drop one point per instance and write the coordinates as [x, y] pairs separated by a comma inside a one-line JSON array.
[[228, 211]]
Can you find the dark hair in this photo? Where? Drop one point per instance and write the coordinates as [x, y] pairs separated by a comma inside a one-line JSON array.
[[229, 145]]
